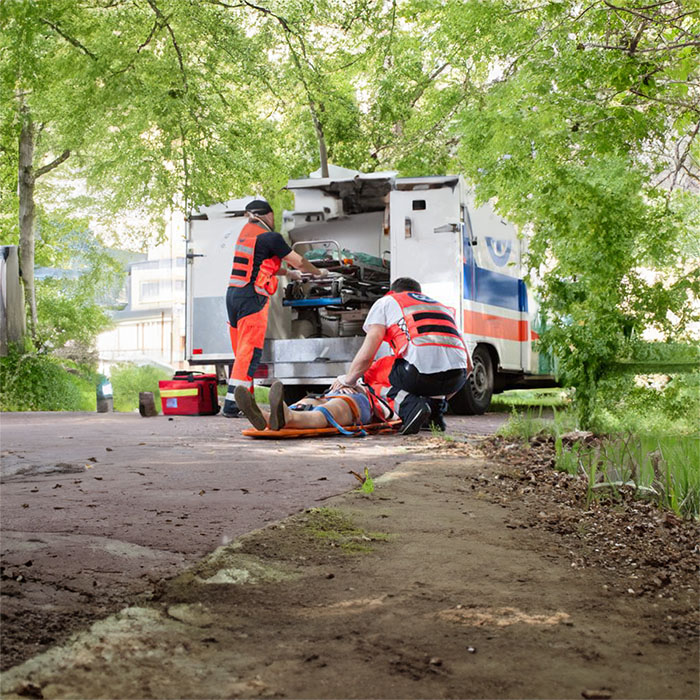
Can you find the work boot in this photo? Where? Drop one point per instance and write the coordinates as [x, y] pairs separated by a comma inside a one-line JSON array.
[[246, 403], [436, 420], [414, 420], [230, 410]]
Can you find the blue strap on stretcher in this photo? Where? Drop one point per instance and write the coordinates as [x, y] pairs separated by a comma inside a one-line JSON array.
[[360, 432], [320, 301]]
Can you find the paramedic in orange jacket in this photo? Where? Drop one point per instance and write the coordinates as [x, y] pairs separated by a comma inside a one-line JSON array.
[[257, 262], [430, 362]]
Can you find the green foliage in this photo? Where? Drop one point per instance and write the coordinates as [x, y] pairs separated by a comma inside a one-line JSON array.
[[71, 310], [527, 424], [67, 315], [652, 404], [580, 122], [34, 382], [531, 397], [128, 380], [585, 136], [661, 467]]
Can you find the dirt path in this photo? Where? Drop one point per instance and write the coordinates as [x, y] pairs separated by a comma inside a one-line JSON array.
[[446, 585]]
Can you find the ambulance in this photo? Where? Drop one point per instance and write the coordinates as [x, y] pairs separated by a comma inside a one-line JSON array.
[[369, 229]]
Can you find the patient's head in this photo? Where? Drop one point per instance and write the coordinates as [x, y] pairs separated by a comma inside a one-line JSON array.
[[405, 284]]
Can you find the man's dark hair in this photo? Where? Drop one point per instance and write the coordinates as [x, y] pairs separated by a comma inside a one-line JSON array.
[[405, 284]]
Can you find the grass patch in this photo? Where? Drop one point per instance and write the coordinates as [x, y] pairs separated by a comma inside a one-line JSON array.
[[331, 525], [262, 393], [663, 465], [525, 425], [128, 380], [663, 468], [555, 398]]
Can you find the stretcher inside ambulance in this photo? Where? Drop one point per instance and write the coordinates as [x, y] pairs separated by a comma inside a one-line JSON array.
[[367, 230]]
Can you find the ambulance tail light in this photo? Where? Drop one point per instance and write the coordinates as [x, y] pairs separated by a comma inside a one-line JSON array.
[[197, 351], [262, 372]]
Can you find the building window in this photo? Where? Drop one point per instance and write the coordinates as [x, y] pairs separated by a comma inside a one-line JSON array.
[[149, 290]]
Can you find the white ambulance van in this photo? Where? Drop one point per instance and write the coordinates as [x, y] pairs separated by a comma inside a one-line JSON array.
[[369, 229]]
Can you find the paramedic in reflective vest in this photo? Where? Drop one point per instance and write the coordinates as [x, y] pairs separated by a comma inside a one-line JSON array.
[[430, 363], [257, 262]]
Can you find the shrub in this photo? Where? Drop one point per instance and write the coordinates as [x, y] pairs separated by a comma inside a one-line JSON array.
[[128, 380], [649, 404], [35, 382]]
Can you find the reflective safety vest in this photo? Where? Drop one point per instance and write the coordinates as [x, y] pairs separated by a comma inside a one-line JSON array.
[[425, 322], [376, 378], [266, 281]]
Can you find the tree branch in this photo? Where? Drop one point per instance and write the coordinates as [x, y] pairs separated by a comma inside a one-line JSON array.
[[676, 103], [70, 39], [684, 155], [166, 24], [53, 164], [149, 37], [668, 47]]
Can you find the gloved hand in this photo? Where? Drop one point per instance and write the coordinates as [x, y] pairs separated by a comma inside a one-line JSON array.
[[294, 275], [341, 383], [323, 272]]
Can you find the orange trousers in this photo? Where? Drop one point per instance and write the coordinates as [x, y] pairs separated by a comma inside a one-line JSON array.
[[247, 338]]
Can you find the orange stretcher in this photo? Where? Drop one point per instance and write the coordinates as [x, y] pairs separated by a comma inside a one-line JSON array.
[[370, 428]]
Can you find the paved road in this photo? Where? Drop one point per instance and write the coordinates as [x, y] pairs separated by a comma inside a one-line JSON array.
[[112, 503]]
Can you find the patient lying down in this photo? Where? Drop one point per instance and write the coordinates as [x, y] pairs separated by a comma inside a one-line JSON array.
[[347, 407]]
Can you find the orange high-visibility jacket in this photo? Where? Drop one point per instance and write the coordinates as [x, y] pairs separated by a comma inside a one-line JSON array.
[[265, 282], [425, 322]]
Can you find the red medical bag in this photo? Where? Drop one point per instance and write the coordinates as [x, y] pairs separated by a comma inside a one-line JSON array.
[[189, 394]]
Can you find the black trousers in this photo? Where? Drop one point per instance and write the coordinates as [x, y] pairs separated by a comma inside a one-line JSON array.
[[411, 389]]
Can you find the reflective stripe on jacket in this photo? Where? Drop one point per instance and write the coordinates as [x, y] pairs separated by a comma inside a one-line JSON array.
[[424, 322], [265, 282]]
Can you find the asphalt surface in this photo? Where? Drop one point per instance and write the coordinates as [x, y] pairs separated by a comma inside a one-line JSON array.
[[110, 504]]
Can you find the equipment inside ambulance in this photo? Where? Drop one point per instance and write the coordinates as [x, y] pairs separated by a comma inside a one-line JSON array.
[[367, 229]]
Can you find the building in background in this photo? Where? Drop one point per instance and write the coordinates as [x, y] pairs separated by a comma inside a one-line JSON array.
[[150, 328]]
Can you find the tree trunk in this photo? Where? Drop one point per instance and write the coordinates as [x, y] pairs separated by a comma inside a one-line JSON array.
[[26, 216], [323, 152]]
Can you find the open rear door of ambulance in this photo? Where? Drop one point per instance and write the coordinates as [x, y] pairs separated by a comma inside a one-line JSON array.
[[212, 235], [426, 237]]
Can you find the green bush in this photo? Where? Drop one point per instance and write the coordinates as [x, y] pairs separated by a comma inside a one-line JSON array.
[[35, 382], [128, 380], [627, 405]]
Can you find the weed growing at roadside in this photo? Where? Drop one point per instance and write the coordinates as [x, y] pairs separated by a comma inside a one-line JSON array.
[[438, 434], [527, 424], [663, 468]]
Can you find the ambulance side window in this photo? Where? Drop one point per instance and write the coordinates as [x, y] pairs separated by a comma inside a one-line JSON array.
[[418, 205]]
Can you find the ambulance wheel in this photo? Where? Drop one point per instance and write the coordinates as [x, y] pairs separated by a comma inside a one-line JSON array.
[[475, 396]]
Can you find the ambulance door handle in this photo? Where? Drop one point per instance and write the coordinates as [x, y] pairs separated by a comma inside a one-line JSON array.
[[447, 228], [190, 256]]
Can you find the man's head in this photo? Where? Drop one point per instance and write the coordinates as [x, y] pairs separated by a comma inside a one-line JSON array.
[[260, 209], [405, 284]]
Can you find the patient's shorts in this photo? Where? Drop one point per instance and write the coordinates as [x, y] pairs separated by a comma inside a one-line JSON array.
[[362, 403]]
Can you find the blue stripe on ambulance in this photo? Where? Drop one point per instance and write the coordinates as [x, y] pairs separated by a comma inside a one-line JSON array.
[[493, 288]]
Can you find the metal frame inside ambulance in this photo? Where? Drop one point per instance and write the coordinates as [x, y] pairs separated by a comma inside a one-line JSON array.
[[464, 256]]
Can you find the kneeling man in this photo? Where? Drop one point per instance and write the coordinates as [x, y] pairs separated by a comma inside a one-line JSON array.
[[430, 363]]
